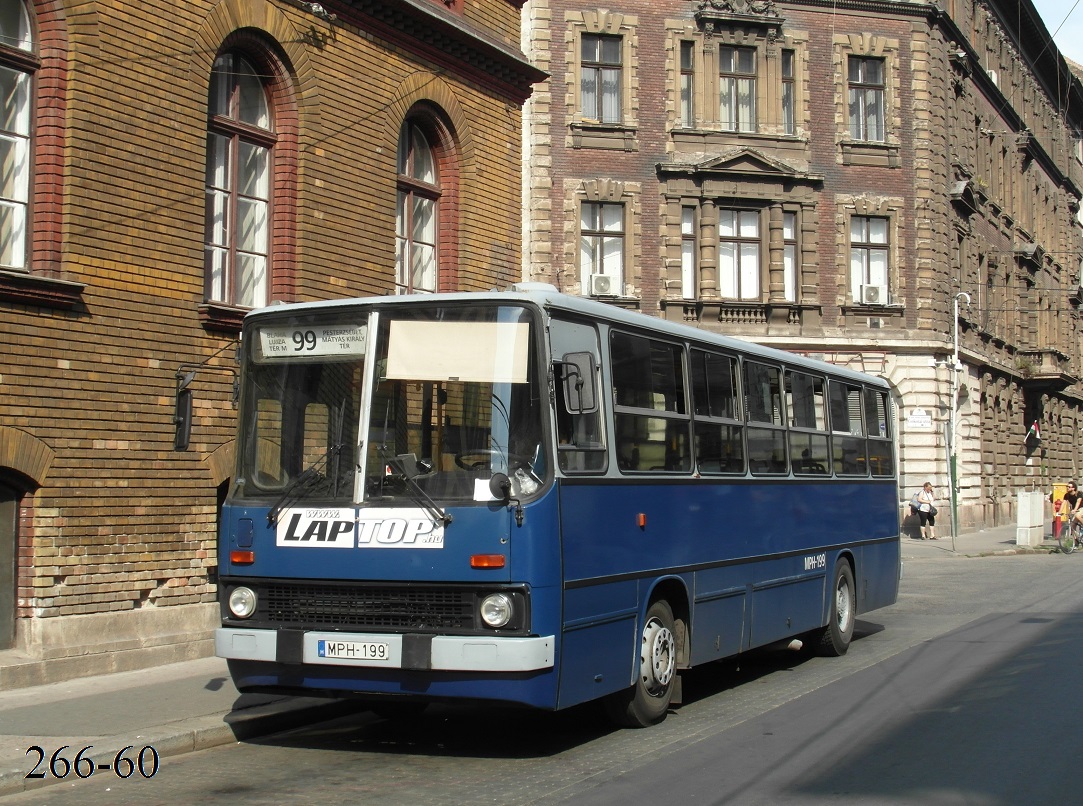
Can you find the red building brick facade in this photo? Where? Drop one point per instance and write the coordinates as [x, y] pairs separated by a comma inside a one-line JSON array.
[[108, 285]]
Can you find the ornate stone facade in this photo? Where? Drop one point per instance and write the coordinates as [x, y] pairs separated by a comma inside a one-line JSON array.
[[836, 180]]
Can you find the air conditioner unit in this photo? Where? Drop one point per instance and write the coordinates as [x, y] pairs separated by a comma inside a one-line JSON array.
[[874, 294], [602, 285]]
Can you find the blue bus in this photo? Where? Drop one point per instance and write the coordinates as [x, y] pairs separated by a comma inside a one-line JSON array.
[[532, 498]]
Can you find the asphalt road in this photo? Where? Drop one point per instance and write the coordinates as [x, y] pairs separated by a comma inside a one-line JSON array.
[[966, 691]]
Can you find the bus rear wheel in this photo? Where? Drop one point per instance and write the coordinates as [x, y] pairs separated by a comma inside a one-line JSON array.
[[836, 636], [647, 701]]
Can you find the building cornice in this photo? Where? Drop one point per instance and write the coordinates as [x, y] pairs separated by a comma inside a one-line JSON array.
[[435, 33]]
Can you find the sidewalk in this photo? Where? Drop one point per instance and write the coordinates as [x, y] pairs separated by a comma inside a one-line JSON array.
[[996, 540], [194, 705], [174, 709]]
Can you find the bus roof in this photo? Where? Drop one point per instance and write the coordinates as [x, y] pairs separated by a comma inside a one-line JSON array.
[[548, 298]]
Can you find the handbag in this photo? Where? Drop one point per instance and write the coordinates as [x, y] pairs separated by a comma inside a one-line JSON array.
[[914, 505], [932, 509]]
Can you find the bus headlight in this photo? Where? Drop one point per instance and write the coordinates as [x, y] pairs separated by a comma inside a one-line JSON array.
[[242, 602], [496, 609]]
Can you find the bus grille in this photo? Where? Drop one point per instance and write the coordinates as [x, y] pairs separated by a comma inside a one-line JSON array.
[[337, 606]]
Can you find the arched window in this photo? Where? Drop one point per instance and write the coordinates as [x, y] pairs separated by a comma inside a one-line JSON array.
[[417, 215], [240, 150], [16, 70]]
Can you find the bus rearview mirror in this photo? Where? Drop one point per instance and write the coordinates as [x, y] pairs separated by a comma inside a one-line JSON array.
[[579, 392], [182, 420]]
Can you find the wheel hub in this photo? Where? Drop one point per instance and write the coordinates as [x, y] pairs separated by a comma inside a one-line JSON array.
[[658, 658], [842, 606]]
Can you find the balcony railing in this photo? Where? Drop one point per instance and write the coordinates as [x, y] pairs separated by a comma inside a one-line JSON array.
[[1046, 369]]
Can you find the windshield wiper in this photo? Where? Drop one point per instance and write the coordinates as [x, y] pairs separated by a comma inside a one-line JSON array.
[[413, 489], [305, 479]]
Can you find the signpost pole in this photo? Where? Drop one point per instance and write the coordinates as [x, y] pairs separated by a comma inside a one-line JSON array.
[[956, 368]]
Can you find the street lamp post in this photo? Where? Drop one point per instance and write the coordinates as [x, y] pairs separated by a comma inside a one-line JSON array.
[[956, 368]]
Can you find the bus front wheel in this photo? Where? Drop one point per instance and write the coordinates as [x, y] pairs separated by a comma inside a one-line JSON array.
[[647, 701], [840, 626]]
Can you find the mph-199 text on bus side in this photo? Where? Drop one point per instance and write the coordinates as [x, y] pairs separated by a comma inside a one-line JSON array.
[[533, 498]]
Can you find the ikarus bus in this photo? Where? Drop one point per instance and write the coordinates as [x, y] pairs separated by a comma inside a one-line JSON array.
[[531, 498]]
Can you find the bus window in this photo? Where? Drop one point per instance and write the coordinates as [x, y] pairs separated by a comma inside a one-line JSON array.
[[806, 403], [650, 416], [457, 401], [881, 460], [267, 466], [719, 436], [763, 401], [763, 394], [848, 435], [304, 418], [580, 436]]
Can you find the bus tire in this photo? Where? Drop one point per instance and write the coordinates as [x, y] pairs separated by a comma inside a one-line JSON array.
[[840, 625], [646, 702]]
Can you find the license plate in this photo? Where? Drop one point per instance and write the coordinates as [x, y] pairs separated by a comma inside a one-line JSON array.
[[353, 650]]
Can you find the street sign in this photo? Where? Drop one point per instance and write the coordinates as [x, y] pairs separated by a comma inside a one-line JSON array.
[[919, 419]]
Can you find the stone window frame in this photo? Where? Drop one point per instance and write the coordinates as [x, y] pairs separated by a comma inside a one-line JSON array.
[[706, 85], [586, 132], [772, 245], [604, 191], [891, 209], [763, 251], [886, 154]]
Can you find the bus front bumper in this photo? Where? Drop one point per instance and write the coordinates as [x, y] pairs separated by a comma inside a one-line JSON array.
[[460, 653]]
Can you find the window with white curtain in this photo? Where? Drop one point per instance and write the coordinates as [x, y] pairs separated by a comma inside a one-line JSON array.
[[600, 76], [866, 98], [789, 256], [868, 253], [688, 76], [739, 254], [601, 244], [416, 216], [15, 153], [737, 88], [240, 143], [789, 93], [689, 286]]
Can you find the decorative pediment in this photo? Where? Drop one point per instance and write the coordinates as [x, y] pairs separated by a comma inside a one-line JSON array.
[[714, 15], [738, 162]]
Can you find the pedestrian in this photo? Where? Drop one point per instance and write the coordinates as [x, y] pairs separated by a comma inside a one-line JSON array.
[[927, 511], [1073, 503]]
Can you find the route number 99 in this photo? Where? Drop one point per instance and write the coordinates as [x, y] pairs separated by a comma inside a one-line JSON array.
[[304, 340]]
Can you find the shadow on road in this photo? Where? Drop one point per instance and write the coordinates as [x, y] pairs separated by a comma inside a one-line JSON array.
[[483, 730]]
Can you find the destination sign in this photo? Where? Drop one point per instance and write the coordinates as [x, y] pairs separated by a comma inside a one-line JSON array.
[[342, 341]]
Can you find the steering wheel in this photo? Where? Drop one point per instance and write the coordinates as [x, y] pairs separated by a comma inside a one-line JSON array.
[[477, 459]]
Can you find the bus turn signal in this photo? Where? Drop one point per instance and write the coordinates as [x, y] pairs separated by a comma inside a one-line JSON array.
[[487, 560]]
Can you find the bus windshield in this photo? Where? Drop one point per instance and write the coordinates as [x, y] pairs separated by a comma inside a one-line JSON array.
[[451, 398]]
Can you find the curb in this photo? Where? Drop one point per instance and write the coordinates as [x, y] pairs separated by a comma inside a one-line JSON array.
[[111, 758]]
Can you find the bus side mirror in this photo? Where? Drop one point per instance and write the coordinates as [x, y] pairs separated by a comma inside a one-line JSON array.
[[182, 413], [579, 392], [500, 487]]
